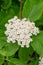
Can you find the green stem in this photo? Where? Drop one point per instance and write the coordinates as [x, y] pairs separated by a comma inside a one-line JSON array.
[[20, 9]]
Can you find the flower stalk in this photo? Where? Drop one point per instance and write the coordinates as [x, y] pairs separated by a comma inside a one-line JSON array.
[[20, 9]]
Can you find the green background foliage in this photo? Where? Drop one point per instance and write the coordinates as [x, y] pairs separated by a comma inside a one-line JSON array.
[[12, 54]]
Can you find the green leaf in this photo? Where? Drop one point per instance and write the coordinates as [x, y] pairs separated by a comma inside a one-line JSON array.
[[32, 9], [36, 12], [4, 17], [34, 2], [6, 4], [16, 8], [34, 62], [39, 22], [1, 59], [17, 61], [10, 63], [2, 41], [23, 1], [37, 43], [24, 53], [9, 49]]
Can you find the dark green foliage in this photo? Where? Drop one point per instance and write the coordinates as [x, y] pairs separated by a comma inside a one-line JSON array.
[[12, 54]]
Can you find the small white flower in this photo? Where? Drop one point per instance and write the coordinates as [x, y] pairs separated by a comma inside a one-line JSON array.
[[6, 25], [20, 30], [41, 61]]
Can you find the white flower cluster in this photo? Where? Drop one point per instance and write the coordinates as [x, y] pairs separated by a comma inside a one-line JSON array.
[[20, 30], [41, 61]]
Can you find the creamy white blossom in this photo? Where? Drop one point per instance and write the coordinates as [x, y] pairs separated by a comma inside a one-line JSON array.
[[40, 61], [21, 31]]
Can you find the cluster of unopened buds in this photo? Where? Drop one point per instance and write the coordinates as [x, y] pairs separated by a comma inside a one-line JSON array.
[[41, 61], [21, 31]]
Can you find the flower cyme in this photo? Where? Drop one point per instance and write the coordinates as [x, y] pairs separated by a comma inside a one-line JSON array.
[[21, 31]]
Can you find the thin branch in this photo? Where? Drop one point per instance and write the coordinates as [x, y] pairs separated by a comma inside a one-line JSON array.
[[20, 9], [10, 61]]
